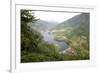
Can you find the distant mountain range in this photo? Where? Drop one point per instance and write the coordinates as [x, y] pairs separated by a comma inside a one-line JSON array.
[[78, 24], [76, 20], [42, 25]]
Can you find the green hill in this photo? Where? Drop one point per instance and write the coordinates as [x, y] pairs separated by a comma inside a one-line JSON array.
[[75, 31]]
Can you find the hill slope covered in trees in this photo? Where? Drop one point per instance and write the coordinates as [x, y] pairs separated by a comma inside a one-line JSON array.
[[75, 31]]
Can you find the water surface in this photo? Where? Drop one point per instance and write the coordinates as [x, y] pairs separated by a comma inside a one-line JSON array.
[[50, 39]]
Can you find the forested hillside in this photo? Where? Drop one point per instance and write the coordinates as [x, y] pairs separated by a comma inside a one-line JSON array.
[[75, 31]]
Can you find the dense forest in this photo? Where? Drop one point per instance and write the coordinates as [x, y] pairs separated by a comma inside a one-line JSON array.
[[35, 49]]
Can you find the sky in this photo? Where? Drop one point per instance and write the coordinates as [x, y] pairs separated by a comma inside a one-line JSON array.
[[54, 16]]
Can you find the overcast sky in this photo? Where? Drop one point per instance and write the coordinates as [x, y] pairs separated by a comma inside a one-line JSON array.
[[54, 16]]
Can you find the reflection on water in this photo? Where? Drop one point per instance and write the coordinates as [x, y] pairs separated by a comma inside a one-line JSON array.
[[50, 39]]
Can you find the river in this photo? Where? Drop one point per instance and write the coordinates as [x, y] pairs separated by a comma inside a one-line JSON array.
[[50, 39]]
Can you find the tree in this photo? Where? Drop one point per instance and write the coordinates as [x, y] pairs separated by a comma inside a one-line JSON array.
[[26, 16]]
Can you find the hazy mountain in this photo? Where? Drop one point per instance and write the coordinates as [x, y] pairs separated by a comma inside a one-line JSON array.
[[42, 25], [76, 20], [77, 24]]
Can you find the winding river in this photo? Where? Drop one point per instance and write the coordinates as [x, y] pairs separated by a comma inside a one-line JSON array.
[[50, 39]]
